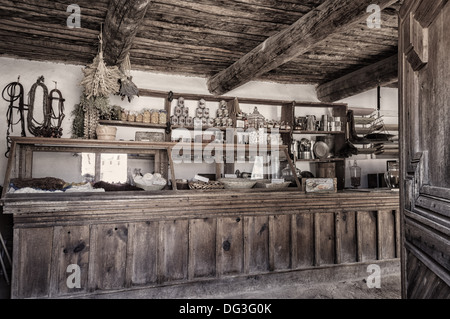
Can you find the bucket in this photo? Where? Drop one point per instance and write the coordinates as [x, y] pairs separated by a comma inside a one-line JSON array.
[[107, 133]]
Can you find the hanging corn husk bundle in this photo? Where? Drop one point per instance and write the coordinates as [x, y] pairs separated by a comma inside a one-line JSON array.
[[99, 79], [99, 82], [90, 122], [127, 88], [86, 115]]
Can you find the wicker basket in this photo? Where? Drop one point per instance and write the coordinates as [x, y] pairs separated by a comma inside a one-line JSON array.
[[268, 184], [206, 186]]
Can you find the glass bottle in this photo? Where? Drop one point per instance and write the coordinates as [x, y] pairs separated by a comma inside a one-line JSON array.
[[276, 170], [355, 175]]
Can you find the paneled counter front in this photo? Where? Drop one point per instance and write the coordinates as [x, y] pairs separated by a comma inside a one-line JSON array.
[[179, 243]]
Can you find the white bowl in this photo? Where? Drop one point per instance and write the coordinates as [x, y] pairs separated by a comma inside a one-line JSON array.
[[150, 187]]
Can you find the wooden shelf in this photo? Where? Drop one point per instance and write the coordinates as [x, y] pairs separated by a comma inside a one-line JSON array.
[[237, 147], [163, 126], [191, 128], [364, 120], [362, 111], [318, 132], [133, 124], [325, 160], [203, 128]]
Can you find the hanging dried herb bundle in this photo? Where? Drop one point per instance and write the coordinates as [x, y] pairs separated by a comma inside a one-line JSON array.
[[127, 88], [99, 79]]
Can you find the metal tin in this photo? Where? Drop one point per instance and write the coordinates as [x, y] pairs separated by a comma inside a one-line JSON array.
[[178, 111], [174, 120]]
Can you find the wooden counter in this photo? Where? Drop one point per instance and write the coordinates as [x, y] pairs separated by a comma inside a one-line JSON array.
[[141, 244]]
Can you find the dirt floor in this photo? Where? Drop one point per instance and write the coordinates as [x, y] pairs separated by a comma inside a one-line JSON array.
[[390, 289]]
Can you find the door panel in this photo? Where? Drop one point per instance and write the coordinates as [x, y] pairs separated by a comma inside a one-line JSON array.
[[424, 79]]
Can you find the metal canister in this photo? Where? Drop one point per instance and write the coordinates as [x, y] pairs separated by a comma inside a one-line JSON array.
[[178, 111], [189, 121], [331, 126]]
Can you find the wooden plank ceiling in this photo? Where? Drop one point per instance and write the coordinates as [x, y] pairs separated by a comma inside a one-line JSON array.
[[195, 37]]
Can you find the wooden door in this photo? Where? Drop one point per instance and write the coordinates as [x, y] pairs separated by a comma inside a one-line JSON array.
[[424, 78]]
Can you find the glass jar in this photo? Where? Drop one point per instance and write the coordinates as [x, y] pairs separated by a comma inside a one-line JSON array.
[[146, 117], [154, 117], [131, 117], [287, 175], [392, 176], [162, 117], [355, 175]]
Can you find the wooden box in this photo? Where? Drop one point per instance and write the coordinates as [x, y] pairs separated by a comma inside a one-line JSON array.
[[150, 137], [319, 185]]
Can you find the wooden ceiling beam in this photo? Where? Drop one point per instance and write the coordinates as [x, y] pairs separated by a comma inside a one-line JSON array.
[[330, 17], [382, 73], [121, 26]]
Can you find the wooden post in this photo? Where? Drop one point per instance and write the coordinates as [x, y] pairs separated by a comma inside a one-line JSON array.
[[337, 234], [9, 168], [172, 169]]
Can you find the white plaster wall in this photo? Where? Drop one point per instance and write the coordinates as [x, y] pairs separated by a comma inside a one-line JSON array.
[[67, 77]]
